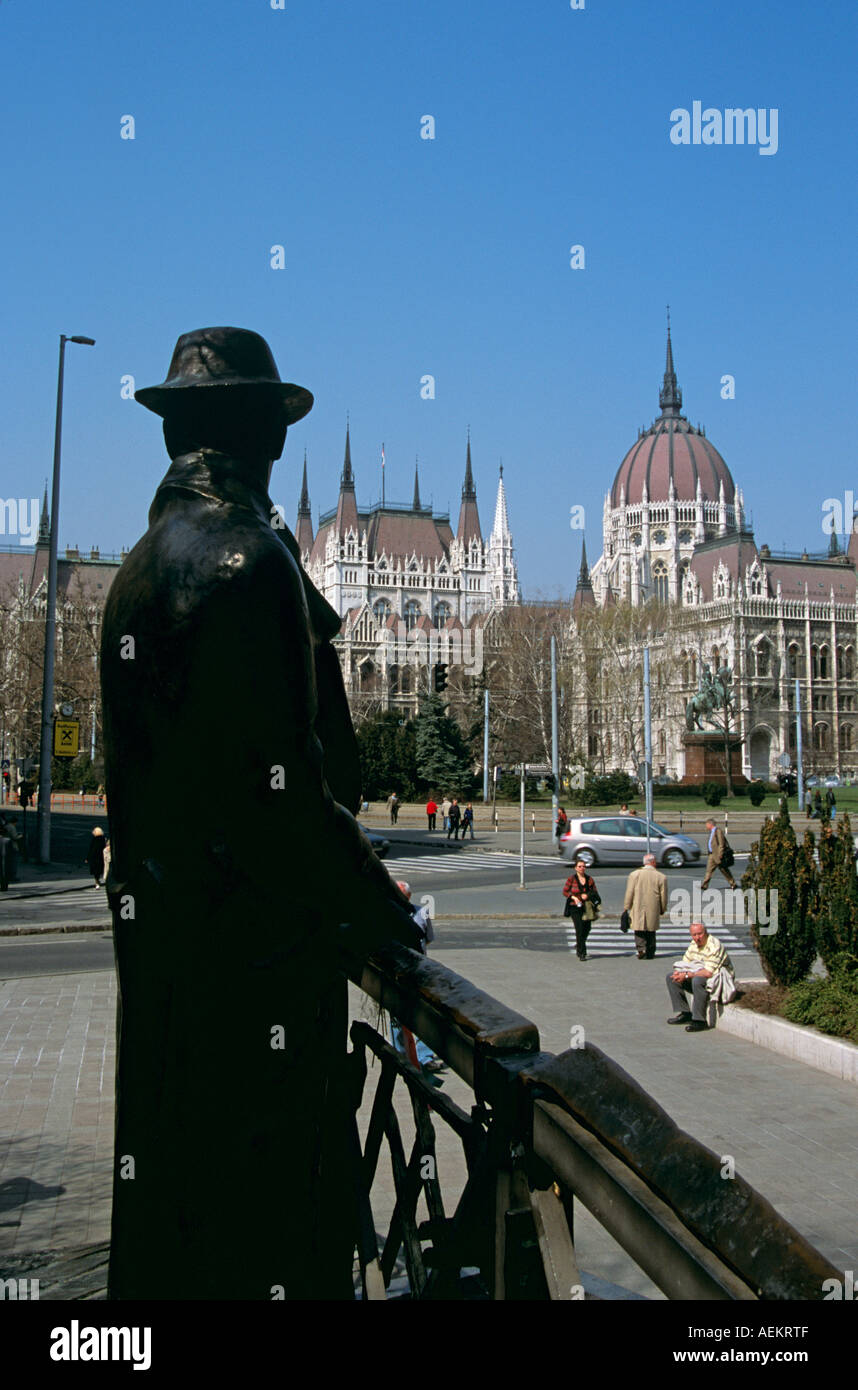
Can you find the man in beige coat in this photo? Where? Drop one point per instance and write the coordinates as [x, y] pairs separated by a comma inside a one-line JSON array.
[[645, 901]]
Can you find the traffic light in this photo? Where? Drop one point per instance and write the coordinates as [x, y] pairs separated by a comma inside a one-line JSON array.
[[440, 677]]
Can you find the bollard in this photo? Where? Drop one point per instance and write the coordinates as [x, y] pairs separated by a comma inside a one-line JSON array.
[[680, 822], [533, 822], [496, 822]]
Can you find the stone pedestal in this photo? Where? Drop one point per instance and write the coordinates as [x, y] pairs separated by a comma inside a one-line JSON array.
[[704, 758]]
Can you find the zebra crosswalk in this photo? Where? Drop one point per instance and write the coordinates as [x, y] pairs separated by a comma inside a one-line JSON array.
[[606, 939], [469, 863], [68, 903]]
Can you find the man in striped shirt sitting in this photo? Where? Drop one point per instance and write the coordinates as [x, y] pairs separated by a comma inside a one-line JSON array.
[[703, 958]]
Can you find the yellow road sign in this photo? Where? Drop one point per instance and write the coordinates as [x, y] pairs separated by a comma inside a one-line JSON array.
[[66, 738]]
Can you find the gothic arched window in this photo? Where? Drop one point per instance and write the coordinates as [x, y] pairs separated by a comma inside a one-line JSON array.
[[412, 613], [381, 610], [763, 657], [660, 582], [442, 613]]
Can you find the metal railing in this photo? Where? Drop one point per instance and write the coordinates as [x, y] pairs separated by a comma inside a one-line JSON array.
[[545, 1132]]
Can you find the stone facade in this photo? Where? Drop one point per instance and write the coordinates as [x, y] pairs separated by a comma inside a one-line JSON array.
[[675, 534], [410, 592]]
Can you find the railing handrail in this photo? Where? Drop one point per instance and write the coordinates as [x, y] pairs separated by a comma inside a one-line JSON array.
[[694, 1232]]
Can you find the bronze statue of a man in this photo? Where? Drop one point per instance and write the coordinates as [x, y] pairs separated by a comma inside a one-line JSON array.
[[232, 774]]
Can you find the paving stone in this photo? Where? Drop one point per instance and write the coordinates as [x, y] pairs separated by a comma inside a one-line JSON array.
[[792, 1130]]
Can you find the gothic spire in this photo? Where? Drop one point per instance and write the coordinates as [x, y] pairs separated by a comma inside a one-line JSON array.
[[584, 571], [584, 596], [304, 527], [45, 522], [347, 514], [500, 530], [469, 518], [304, 504], [415, 505], [347, 479], [469, 492], [670, 396]]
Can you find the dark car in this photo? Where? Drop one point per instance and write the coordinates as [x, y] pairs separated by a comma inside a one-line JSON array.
[[378, 842]]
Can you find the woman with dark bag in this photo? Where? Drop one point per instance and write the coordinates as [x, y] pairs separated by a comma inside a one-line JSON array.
[[582, 905]]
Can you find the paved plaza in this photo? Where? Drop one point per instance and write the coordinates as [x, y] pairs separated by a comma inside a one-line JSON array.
[[792, 1131]]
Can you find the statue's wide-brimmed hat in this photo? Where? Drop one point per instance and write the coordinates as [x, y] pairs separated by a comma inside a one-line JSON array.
[[221, 358]]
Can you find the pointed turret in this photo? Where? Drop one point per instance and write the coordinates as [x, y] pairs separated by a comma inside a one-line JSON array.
[[347, 477], [346, 504], [304, 527], [670, 396], [469, 517], [503, 575], [584, 596], [500, 530], [415, 505], [44, 537]]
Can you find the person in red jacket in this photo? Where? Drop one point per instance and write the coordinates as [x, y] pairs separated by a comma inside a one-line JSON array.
[[431, 812], [580, 890]]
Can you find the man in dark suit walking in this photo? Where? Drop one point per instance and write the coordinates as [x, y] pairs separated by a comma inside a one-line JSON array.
[[717, 846]]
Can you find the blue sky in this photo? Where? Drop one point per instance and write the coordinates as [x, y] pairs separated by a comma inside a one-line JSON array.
[[406, 257]]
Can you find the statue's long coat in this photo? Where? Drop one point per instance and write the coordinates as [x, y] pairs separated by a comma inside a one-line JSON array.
[[226, 732]]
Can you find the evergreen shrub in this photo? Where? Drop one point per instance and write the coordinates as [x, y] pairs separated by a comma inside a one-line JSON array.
[[778, 863]]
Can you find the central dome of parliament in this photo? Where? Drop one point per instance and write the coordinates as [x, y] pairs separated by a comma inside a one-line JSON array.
[[672, 451]]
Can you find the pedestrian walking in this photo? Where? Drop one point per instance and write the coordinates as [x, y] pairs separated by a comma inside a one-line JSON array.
[[468, 820], [645, 901], [454, 820], [95, 856], [9, 831], [582, 905], [720, 855], [830, 804], [817, 803], [393, 807], [561, 823], [808, 805], [431, 812], [445, 811]]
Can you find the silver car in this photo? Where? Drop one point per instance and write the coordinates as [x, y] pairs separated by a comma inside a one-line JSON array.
[[622, 840]]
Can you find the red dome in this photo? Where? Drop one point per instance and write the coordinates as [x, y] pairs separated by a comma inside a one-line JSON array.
[[672, 450]]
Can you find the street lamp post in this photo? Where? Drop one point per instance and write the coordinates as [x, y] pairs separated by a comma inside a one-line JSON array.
[[45, 750]]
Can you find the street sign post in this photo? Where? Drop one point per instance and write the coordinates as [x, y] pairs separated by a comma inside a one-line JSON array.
[[66, 738]]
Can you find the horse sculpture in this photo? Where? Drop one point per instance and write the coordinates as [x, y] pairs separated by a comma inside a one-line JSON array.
[[715, 693]]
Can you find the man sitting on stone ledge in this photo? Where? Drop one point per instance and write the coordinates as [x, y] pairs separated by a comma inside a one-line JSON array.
[[703, 958]]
